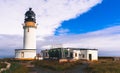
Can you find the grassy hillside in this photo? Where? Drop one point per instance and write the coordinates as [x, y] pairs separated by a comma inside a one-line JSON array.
[[104, 66], [2, 65], [55, 65], [16, 68]]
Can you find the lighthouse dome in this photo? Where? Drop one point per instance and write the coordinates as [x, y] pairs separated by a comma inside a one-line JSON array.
[[30, 15]]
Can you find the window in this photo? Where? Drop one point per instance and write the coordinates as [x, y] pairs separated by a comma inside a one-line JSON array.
[[28, 30]]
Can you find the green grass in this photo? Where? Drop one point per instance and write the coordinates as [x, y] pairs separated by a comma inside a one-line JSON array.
[[104, 66], [16, 68], [2, 65], [55, 65]]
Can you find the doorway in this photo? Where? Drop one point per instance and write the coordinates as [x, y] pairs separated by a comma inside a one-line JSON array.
[[90, 57], [22, 54], [71, 54]]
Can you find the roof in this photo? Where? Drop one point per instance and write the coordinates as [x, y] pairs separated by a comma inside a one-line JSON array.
[[83, 49], [77, 48], [24, 49]]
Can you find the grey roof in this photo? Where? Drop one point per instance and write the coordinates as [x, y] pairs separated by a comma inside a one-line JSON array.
[[24, 49], [77, 48]]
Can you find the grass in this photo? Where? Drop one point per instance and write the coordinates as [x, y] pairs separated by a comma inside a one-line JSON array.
[[16, 68], [101, 66], [104, 66], [2, 65], [55, 65]]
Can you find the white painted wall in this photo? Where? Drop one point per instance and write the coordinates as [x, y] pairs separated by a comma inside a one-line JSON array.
[[86, 53], [76, 52], [27, 53], [83, 52], [29, 41], [94, 54]]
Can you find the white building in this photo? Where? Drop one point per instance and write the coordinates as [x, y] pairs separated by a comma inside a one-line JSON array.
[[71, 53], [29, 42], [88, 54]]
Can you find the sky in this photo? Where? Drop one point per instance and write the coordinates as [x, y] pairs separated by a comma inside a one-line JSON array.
[[65, 23]]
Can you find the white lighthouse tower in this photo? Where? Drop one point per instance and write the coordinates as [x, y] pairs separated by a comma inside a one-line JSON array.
[[29, 42]]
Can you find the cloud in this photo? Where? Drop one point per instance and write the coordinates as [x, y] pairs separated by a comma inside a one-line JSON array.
[[8, 43], [62, 31], [106, 41], [50, 14]]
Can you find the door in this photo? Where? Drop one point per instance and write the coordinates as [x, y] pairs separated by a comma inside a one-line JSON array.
[[90, 57], [71, 54]]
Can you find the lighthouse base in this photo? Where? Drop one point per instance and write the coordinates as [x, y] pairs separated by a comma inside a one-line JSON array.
[[25, 54]]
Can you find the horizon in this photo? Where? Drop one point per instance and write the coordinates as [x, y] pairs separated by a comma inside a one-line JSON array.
[[70, 23]]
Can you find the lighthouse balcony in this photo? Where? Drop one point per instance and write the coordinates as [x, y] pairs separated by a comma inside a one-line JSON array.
[[30, 24]]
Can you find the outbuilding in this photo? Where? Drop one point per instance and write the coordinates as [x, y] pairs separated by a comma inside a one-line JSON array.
[[71, 53]]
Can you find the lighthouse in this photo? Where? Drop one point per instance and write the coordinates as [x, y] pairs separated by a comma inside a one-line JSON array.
[[29, 27], [29, 41]]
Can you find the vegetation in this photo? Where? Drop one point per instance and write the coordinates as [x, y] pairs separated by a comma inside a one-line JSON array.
[[55, 65], [104, 66], [2, 65], [16, 68]]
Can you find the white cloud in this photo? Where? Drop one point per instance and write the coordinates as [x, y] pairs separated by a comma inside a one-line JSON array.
[[106, 41], [50, 14], [62, 31], [10, 41]]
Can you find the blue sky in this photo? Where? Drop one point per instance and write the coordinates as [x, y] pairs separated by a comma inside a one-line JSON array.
[[69, 23], [105, 15]]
